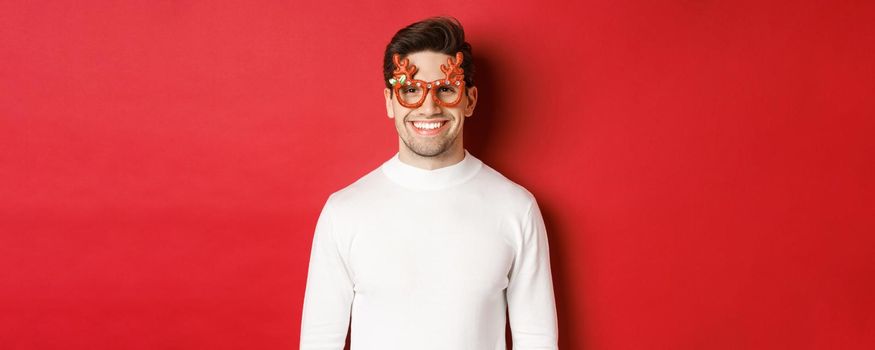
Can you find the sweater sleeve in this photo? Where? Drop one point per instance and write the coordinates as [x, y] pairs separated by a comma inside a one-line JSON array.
[[329, 292], [530, 299]]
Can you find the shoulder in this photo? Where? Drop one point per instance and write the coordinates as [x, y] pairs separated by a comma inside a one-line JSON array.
[[360, 191], [504, 191]]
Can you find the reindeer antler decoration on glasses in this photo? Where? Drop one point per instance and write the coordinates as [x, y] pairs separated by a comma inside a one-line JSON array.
[[411, 93]]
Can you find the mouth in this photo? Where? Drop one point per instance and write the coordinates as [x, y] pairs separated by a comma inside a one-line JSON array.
[[428, 128]]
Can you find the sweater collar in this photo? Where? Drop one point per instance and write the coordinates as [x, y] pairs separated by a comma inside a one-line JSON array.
[[422, 179]]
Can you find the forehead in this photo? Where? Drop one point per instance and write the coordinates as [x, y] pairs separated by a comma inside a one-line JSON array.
[[428, 64]]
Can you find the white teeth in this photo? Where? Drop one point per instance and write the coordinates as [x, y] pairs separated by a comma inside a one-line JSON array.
[[428, 126]]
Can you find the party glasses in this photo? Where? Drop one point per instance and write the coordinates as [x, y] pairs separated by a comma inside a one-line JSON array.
[[411, 93]]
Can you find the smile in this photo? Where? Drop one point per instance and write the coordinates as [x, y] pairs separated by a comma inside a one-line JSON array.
[[428, 128]]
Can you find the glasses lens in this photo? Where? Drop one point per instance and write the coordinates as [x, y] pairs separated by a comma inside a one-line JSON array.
[[411, 93], [448, 92]]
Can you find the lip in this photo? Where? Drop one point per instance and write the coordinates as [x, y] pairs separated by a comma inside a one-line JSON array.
[[428, 120], [427, 133]]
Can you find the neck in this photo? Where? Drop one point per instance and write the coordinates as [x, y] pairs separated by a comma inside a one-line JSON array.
[[451, 156]]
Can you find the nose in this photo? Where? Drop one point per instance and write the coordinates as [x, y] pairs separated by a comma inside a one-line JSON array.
[[429, 107]]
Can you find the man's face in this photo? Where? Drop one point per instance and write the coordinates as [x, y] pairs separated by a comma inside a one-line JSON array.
[[417, 137]]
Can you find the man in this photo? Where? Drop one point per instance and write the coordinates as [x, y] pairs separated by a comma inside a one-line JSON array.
[[432, 248]]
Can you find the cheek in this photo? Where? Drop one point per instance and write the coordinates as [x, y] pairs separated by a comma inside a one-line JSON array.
[[458, 112], [401, 114], [400, 117]]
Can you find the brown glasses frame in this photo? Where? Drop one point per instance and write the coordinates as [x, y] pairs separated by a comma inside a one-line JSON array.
[[430, 88], [404, 71]]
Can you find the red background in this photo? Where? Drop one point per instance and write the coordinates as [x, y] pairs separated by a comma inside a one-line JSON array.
[[705, 167]]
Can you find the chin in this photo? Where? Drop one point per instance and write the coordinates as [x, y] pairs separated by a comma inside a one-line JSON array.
[[431, 150]]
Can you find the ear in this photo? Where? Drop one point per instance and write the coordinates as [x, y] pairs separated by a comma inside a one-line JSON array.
[[389, 110], [472, 101]]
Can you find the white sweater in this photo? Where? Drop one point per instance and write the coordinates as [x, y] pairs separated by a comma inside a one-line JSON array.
[[430, 259]]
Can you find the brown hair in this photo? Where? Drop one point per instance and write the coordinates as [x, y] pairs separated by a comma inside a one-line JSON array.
[[440, 34]]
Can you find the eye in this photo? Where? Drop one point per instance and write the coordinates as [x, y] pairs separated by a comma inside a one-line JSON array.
[[446, 89]]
